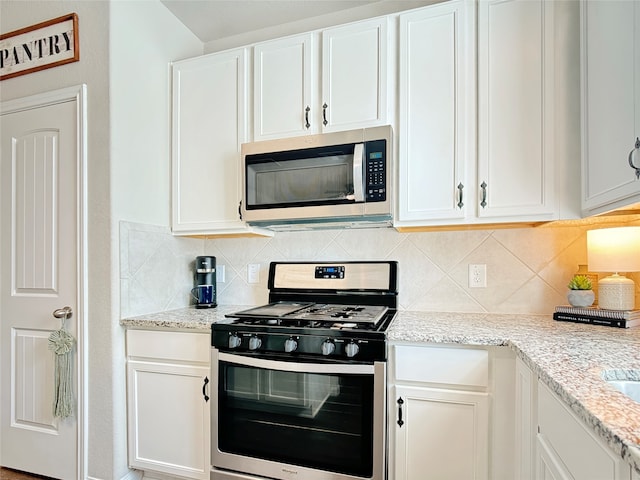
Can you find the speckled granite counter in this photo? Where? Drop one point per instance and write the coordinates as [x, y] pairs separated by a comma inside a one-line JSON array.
[[568, 357], [183, 319]]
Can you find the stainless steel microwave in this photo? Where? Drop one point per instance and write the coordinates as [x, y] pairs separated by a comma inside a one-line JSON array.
[[331, 179]]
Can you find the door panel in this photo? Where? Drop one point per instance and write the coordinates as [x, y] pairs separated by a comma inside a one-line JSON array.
[[39, 252]]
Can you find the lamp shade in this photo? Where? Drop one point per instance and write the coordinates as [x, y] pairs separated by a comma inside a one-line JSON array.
[[614, 249]]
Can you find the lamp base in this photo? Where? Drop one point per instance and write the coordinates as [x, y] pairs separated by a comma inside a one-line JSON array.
[[616, 292]]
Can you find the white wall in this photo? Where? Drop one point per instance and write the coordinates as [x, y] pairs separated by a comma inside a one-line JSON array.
[[128, 176]]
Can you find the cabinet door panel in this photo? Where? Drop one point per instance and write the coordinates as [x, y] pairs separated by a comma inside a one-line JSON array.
[[436, 117], [168, 419], [209, 124], [444, 434], [283, 86], [611, 102], [354, 75], [515, 102]]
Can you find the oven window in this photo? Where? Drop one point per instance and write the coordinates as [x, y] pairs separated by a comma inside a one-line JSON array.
[[322, 421]]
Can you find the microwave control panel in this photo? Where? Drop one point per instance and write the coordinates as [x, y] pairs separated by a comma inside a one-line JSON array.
[[376, 172]]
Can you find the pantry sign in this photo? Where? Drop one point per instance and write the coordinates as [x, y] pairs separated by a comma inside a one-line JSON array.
[[44, 45]]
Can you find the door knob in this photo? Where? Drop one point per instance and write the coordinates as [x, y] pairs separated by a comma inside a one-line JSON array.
[[64, 312]]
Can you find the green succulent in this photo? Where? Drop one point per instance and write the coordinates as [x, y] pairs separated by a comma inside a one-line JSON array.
[[580, 282]]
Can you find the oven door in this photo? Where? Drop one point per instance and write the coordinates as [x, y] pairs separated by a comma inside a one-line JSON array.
[[282, 419]]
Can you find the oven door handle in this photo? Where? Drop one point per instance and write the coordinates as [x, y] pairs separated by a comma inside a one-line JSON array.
[[336, 368]]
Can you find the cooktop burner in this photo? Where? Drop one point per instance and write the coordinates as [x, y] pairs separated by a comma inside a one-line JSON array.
[[312, 315]]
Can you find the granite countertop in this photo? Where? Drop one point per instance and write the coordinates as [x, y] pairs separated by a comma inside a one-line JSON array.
[[570, 358]]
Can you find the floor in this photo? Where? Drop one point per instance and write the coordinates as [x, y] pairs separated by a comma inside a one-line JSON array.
[[8, 474]]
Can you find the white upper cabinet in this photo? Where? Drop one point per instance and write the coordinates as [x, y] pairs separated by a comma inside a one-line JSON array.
[[482, 93], [516, 176], [610, 42], [436, 128], [298, 91], [208, 126], [354, 75], [284, 88]]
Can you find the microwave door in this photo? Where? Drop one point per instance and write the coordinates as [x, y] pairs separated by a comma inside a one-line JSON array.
[[321, 177]]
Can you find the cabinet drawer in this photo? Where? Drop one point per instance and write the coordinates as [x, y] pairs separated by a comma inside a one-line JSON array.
[[580, 452], [178, 346], [453, 366]]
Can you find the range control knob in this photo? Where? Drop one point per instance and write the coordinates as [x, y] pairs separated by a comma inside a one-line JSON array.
[[234, 340], [352, 349], [328, 347], [254, 342], [290, 345]]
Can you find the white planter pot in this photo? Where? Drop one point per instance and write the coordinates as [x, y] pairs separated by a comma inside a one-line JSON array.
[[581, 298]]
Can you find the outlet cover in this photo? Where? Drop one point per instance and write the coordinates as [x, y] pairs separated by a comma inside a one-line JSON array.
[[477, 276], [220, 274], [253, 273]]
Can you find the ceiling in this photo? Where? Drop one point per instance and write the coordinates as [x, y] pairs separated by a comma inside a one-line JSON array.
[[212, 20]]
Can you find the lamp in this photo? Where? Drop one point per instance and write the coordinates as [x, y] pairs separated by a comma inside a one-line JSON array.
[[615, 250]]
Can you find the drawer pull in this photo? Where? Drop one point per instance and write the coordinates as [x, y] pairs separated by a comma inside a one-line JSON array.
[[400, 403], [204, 389]]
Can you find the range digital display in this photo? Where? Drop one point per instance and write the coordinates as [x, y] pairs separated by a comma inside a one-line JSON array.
[[325, 271]]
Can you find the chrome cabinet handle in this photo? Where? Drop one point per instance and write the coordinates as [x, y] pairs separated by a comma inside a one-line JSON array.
[[460, 202], [400, 403], [636, 147], [204, 389], [324, 114], [63, 313], [483, 186], [306, 117]]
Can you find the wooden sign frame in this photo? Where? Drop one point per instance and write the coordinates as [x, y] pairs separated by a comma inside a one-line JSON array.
[[37, 47]]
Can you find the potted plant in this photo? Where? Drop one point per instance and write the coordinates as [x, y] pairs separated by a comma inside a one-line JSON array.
[[580, 292]]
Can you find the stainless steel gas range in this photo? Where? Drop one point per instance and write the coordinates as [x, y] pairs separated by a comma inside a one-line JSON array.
[[301, 382]]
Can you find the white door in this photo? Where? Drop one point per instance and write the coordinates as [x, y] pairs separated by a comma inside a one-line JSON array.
[[41, 251]]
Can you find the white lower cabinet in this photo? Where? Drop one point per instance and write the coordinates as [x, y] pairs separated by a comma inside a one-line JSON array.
[[443, 434], [526, 393], [168, 403], [566, 449], [440, 420]]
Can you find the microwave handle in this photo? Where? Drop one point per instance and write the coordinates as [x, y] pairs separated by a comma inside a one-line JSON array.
[[358, 177]]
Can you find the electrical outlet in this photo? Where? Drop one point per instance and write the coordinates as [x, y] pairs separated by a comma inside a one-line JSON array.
[[253, 273], [477, 276], [220, 274]]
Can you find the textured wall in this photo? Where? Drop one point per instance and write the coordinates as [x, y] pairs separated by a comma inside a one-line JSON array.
[[527, 269]]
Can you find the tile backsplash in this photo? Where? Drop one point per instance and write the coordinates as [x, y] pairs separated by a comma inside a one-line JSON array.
[[527, 268]]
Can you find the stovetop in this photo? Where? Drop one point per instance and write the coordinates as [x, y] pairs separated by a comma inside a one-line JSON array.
[[312, 315], [337, 310]]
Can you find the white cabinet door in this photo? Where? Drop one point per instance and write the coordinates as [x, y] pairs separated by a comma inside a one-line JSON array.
[[354, 75], [285, 88], [440, 434], [570, 450], [436, 114], [208, 126], [515, 109], [526, 421], [610, 42], [167, 402], [549, 466]]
